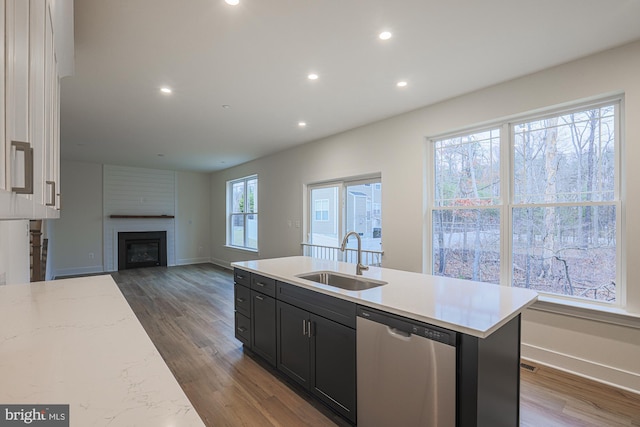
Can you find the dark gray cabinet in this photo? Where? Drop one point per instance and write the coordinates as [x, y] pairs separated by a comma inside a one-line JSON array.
[[319, 354], [333, 365], [242, 306], [310, 337], [294, 349], [263, 326]]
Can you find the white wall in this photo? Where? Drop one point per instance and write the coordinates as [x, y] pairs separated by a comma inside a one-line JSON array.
[[79, 231], [193, 217], [14, 252], [396, 148]]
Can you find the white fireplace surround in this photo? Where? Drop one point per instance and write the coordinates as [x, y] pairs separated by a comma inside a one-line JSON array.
[[137, 191]]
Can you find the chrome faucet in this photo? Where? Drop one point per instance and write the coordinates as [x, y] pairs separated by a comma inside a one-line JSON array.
[[359, 267]]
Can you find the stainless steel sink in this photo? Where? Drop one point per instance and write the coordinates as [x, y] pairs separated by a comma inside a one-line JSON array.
[[342, 281]]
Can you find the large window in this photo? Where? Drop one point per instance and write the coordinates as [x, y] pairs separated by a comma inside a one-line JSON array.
[[242, 212], [339, 207], [533, 203]]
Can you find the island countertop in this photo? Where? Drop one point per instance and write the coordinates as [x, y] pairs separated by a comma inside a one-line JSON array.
[[77, 342], [473, 308]]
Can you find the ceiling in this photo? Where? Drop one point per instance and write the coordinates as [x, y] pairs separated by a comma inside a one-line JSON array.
[[255, 58]]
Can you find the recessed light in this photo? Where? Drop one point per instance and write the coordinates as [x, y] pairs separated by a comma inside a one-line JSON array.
[[401, 84], [165, 89], [160, 155], [385, 35], [302, 124], [232, 2], [312, 76], [226, 106]]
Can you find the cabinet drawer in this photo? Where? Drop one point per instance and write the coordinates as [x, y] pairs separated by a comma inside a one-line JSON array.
[[243, 300], [243, 329], [241, 277], [332, 308], [266, 285]]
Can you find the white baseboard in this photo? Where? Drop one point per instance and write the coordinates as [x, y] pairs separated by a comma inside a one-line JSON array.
[[190, 261], [610, 375], [221, 263], [78, 271]]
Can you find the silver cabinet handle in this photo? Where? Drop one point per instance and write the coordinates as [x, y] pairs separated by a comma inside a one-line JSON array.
[[25, 147], [259, 298], [262, 285], [242, 329], [52, 194], [240, 299], [309, 329], [304, 327]]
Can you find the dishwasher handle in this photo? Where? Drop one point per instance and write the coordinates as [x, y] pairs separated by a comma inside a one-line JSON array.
[[393, 323]]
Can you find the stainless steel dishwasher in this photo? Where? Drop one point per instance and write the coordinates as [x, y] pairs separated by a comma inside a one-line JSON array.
[[406, 372]]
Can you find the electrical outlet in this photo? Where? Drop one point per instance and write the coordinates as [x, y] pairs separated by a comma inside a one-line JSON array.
[[297, 223], [91, 255]]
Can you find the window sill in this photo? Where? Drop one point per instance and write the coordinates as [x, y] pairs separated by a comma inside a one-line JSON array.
[[585, 310], [241, 249]]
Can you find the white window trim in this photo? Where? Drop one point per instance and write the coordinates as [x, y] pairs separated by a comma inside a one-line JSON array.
[[230, 213], [591, 309]]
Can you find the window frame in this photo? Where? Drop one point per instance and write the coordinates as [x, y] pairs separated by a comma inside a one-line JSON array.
[[341, 185], [507, 203], [231, 213]]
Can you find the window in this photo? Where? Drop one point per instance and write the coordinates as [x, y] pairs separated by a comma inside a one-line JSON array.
[[533, 203], [322, 210], [343, 206], [242, 210]]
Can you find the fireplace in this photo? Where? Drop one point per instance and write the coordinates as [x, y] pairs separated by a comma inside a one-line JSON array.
[[142, 249]]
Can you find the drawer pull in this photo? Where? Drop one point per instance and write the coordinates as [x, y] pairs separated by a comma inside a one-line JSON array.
[[304, 327], [239, 276], [242, 329], [240, 299], [259, 298], [262, 285]]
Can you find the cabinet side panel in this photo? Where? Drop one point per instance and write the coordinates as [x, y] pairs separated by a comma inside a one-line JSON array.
[[499, 377]]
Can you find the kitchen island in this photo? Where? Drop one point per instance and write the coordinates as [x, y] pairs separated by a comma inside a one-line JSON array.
[[77, 342], [308, 331]]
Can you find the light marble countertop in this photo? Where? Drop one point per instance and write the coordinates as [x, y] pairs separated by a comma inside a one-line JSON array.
[[465, 306], [78, 342]]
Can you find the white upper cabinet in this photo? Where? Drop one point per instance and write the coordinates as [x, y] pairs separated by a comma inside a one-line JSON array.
[[29, 121]]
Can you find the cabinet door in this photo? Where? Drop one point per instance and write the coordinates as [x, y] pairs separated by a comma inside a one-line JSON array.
[[17, 166], [37, 105], [52, 133], [293, 343], [333, 365], [263, 326]]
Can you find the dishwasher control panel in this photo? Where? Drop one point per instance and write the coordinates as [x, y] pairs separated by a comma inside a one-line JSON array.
[[409, 326]]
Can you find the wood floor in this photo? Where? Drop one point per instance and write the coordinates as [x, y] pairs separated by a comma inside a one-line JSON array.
[[188, 313]]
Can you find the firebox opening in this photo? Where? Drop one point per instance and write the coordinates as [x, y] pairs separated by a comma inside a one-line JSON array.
[[142, 249]]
